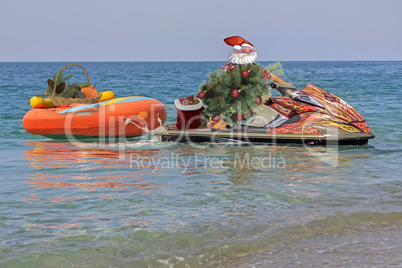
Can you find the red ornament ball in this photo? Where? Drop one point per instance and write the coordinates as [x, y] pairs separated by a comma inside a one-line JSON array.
[[239, 117], [201, 95], [234, 93], [216, 118], [245, 73], [258, 101]]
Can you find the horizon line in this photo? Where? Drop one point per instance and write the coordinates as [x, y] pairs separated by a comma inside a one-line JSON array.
[[128, 61]]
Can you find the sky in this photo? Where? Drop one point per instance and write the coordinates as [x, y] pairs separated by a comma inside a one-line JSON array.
[[189, 30]]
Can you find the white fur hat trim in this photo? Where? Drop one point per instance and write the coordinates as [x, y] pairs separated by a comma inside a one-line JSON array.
[[188, 107]]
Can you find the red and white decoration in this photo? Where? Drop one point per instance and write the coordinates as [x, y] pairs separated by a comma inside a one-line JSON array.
[[188, 116]]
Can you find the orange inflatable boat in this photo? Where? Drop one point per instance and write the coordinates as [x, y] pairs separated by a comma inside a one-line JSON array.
[[120, 117]]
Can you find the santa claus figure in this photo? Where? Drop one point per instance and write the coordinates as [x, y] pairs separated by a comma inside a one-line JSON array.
[[243, 51]]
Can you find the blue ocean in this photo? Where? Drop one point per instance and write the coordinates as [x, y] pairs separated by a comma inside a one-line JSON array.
[[145, 203]]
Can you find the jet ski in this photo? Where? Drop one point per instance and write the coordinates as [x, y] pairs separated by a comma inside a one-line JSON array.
[[310, 116]]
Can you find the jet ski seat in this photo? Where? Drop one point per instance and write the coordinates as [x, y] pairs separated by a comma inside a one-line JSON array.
[[263, 116]]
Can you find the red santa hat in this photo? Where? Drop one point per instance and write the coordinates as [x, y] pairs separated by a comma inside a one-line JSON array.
[[237, 41]]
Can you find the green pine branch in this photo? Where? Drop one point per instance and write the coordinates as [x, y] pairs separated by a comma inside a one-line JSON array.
[[275, 68], [218, 99]]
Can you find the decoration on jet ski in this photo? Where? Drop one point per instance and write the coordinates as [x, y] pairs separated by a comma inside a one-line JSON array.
[[201, 95], [234, 93], [215, 122], [258, 101], [243, 50], [239, 87], [188, 112], [245, 73]]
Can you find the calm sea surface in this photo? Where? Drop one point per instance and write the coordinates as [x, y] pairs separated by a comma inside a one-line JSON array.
[[143, 203]]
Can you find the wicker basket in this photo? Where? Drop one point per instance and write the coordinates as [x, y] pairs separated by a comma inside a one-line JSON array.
[[58, 100]]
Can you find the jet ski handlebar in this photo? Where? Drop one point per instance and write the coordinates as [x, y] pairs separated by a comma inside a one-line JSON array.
[[283, 88]]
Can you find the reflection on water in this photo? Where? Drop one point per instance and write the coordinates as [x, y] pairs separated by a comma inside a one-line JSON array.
[[239, 181], [65, 159], [88, 186], [90, 168], [204, 200]]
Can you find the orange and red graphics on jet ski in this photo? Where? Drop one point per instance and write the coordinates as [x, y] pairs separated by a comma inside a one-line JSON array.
[[336, 113]]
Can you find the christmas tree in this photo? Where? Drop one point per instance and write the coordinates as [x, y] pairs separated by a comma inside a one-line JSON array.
[[232, 94]]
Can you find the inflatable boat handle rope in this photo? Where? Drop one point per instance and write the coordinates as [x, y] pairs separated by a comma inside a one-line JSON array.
[[144, 128]]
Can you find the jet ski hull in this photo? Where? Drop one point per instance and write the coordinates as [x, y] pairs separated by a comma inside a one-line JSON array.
[[171, 134]]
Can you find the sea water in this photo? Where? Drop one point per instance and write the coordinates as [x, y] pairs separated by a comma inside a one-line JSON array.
[[144, 203]]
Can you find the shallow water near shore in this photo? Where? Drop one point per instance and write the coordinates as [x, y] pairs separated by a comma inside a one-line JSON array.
[[144, 203]]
